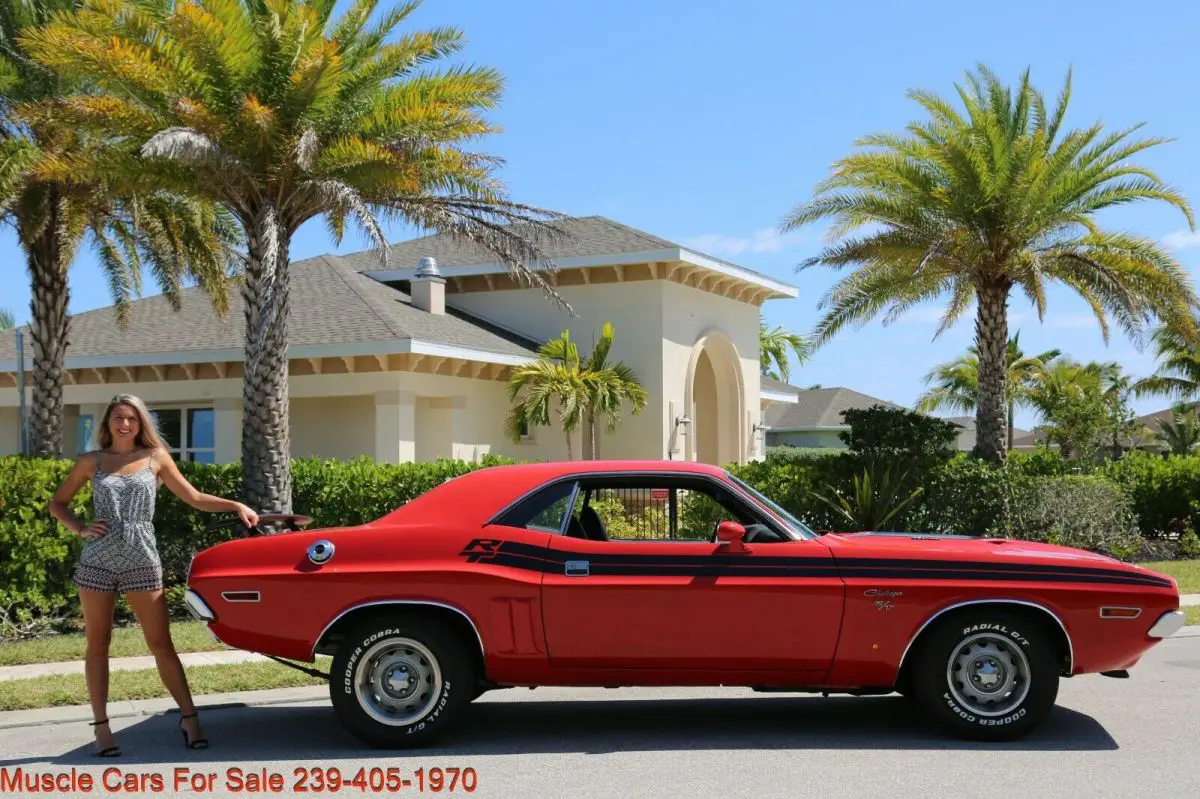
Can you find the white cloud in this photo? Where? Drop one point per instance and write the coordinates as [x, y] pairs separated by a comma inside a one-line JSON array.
[[764, 240], [1182, 239]]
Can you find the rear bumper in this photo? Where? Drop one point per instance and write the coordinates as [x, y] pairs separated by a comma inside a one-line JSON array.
[[1168, 624], [197, 606]]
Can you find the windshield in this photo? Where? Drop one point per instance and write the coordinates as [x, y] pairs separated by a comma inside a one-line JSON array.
[[800, 527]]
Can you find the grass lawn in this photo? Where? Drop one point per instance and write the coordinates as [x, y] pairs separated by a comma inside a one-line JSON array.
[[1193, 614], [189, 636], [1185, 572], [70, 689]]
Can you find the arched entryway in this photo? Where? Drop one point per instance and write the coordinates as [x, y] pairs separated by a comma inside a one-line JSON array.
[[714, 398]]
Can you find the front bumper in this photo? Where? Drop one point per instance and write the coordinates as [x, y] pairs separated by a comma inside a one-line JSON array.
[[1168, 624]]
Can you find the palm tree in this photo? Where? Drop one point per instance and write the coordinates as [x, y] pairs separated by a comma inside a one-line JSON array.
[[1181, 433], [956, 383], [7, 320], [773, 348], [973, 205], [554, 378], [609, 386], [596, 386], [281, 112], [58, 190], [1178, 374]]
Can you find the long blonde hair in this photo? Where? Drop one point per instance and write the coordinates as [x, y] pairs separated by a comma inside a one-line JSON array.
[[147, 437]]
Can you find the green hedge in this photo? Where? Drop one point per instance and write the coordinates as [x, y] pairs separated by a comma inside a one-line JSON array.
[[37, 555], [1142, 506]]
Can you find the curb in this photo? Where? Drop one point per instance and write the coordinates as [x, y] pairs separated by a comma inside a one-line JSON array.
[[39, 717]]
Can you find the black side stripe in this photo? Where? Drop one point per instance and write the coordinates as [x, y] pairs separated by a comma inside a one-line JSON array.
[[532, 558]]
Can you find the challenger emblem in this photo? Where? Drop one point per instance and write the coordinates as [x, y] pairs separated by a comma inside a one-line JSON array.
[[481, 549], [882, 604]]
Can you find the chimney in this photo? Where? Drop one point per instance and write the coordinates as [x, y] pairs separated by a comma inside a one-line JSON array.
[[428, 287]]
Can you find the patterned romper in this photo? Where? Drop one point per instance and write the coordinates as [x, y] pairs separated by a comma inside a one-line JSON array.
[[126, 557]]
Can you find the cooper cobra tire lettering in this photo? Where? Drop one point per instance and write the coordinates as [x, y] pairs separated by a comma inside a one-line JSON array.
[[965, 716], [452, 658]]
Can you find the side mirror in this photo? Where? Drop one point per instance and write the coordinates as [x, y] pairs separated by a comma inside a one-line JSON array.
[[730, 536]]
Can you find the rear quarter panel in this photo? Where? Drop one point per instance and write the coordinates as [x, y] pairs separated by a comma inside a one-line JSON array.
[[376, 563]]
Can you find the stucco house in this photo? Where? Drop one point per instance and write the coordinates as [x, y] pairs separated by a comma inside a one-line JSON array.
[[404, 364]]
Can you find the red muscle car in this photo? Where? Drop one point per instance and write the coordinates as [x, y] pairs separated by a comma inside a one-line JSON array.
[[630, 573]]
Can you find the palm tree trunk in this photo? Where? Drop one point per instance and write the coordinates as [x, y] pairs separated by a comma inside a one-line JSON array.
[[570, 456], [590, 451], [1011, 410], [266, 440], [991, 338], [48, 330]]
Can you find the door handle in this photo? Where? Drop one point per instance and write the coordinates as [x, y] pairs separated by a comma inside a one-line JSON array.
[[577, 568]]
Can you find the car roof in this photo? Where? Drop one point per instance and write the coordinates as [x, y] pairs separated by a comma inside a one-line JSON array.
[[477, 495]]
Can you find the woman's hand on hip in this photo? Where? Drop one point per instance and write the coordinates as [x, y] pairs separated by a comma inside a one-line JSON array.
[[97, 529]]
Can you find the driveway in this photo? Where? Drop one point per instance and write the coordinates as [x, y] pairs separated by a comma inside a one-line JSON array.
[[1108, 737]]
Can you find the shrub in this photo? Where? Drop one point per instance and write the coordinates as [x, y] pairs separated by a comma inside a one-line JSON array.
[[1165, 490], [963, 496], [1086, 512], [881, 436]]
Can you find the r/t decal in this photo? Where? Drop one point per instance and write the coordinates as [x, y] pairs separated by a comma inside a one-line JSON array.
[[481, 549]]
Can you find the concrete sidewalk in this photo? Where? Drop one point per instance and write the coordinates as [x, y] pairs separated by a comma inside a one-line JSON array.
[[1188, 600], [128, 664]]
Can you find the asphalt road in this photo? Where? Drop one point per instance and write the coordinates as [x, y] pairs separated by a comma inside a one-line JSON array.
[[1135, 737]]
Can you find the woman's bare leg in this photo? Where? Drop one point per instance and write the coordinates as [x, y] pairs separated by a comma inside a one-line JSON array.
[[150, 607], [97, 627]]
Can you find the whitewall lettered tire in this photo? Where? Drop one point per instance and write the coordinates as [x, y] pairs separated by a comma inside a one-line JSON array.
[[399, 683], [987, 674]]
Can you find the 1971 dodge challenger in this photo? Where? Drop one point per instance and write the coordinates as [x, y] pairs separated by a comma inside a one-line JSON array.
[[664, 573]]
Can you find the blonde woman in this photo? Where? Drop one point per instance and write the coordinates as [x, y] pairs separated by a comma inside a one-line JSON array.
[[121, 555]]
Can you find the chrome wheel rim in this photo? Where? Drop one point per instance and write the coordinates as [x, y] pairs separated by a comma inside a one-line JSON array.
[[988, 674], [398, 681]]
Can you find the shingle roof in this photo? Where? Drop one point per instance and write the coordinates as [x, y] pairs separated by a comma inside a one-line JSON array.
[[330, 304], [582, 237], [820, 407], [967, 435], [771, 384]]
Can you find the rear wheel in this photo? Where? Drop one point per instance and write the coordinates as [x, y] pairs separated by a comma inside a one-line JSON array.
[[987, 674], [399, 683]]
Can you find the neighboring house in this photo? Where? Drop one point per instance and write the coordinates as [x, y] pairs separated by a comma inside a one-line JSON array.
[[966, 435], [814, 417], [402, 365]]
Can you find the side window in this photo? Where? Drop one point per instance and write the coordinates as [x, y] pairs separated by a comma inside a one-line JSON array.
[[546, 510], [653, 509]]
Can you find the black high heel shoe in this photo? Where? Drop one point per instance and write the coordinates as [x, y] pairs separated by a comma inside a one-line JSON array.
[[199, 743], [110, 751]]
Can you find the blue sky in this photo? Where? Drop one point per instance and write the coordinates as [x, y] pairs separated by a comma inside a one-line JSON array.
[[706, 122]]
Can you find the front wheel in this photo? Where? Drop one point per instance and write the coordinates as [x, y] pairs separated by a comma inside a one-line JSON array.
[[987, 675], [399, 683]]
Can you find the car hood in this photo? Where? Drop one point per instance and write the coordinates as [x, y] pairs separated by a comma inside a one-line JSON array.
[[962, 547]]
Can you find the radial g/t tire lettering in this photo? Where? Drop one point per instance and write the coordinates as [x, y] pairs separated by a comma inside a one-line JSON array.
[[398, 683], [987, 674]]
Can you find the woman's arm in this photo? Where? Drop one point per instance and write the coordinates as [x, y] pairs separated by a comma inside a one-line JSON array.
[[180, 487], [59, 506]]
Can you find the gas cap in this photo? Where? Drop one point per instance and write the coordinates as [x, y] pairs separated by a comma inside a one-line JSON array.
[[320, 551]]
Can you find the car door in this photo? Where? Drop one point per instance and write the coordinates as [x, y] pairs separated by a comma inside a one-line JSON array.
[[636, 600]]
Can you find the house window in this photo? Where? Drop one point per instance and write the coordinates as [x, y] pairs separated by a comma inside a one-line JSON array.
[[190, 433], [83, 433]]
